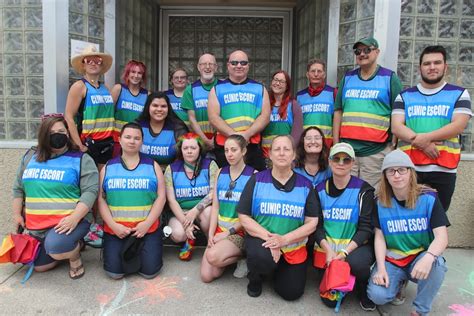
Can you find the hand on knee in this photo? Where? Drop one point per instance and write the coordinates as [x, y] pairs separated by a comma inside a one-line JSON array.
[[379, 294]]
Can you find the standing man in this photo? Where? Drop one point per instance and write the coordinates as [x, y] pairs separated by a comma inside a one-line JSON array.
[[317, 100], [428, 119], [195, 98], [362, 110], [239, 105]]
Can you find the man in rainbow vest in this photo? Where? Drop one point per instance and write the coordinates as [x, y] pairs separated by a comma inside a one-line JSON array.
[[428, 119], [239, 105], [362, 110]]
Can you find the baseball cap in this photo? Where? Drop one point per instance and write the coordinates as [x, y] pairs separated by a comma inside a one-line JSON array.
[[342, 148], [367, 41]]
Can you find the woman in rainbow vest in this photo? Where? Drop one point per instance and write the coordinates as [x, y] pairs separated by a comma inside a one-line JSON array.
[[410, 236], [131, 199], [57, 185], [129, 98], [179, 80], [312, 156], [345, 231], [189, 186], [90, 106], [226, 235], [279, 210], [286, 117], [161, 129]]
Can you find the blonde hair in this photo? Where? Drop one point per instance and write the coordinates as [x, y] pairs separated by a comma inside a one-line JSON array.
[[385, 192]]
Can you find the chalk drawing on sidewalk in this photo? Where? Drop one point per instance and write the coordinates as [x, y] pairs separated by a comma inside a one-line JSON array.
[[462, 310], [469, 291], [154, 291]]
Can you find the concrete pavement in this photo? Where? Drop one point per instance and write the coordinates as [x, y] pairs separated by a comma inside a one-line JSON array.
[[178, 290]]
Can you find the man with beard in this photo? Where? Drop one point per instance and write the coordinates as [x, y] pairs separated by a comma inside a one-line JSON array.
[[195, 98], [428, 119], [362, 110]]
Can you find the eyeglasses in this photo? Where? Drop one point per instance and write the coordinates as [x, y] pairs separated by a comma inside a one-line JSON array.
[[180, 78], [280, 81], [315, 137], [241, 62], [365, 50], [401, 171], [92, 60], [343, 160], [45, 116], [228, 194], [207, 65]]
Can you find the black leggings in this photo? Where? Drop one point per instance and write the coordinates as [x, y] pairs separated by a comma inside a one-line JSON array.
[[289, 279], [443, 182]]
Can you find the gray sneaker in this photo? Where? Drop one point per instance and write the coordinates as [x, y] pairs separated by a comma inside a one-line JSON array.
[[401, 295], [241, 270]]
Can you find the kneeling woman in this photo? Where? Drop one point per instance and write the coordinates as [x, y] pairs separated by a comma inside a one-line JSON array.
[[58, 186], [131, 199], [226, 241], [345, 232], [407, 252], [189, 185], [279, 210]]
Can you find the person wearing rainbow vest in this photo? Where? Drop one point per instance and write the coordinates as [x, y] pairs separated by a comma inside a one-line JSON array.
[[90, 105], [56, 187], [179, 80], [428, 119], [362, 110], [345, 231], [317, 100], [226, 235], [131, 199], [189, 185], [239, 105], [286, 117], [129, 98], [279, 210], [161, 129], [410, 236], [195, 99]]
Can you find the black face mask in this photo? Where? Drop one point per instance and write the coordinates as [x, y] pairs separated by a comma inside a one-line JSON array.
[[58, 140]]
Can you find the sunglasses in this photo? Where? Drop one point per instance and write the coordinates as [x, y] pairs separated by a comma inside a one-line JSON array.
[[343, 160], [93, 60], [241, 62], [232, 185], [45, 116], [401, 171], [365, 50]]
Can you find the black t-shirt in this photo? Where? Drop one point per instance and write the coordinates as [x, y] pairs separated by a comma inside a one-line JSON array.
[[438, 215], [312, 206]]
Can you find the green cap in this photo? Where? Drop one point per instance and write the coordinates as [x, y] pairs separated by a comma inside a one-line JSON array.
[[342, 148], [367, 41]]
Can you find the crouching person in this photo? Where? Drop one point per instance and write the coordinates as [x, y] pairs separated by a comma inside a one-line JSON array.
[[410, 236], [131, 199]]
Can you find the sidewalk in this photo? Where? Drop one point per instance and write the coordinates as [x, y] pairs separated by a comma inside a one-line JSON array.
[[179, 290]]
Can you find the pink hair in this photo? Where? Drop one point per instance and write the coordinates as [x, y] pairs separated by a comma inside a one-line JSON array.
[[128, 67]]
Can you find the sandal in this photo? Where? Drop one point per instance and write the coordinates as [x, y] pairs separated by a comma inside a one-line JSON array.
[[74, 271]]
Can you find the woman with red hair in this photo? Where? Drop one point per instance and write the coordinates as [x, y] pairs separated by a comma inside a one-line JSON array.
[[129, 97], [286, 117], [189, 185]]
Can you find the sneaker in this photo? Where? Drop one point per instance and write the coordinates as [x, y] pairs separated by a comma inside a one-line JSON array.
[[254, 288], [366, 304], [401, 295], [186, 253], [241, 270]]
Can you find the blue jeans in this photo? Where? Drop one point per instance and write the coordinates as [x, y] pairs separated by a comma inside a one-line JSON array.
[[427, 289], [151, 256]]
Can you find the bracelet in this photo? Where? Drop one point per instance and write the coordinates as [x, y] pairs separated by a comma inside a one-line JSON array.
[[345, 252], [434, 256]]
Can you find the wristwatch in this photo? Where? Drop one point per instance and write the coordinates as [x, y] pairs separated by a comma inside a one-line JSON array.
[[232, 231]]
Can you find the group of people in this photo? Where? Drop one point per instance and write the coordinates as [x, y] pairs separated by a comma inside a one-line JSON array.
[[264, 176]]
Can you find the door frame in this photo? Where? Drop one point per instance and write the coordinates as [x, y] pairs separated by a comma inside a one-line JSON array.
[[166, 11]]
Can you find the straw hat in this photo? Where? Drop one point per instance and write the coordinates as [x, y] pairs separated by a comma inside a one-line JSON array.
[[91, 50]]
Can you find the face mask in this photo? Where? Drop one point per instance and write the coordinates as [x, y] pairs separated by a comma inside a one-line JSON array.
[[58, 140]]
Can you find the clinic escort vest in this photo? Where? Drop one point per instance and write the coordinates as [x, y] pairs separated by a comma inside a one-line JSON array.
[[128, 108], [366, 106], [200, 98], [161, 147], [277, 126], [281, 212], [240, 105], [52, 189], [176, 105], [130, 194]]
